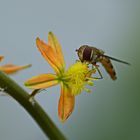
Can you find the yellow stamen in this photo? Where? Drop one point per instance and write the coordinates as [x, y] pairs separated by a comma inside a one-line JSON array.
[[78, 77]]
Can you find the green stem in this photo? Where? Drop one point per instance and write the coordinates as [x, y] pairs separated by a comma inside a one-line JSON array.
[[32, 107]]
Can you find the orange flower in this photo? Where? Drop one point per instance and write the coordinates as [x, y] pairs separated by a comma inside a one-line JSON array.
[[10, 68], [72, 81]]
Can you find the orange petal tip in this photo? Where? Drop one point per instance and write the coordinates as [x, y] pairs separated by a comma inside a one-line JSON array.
[[66, 103], [10, 68], [1, 58], [41, 81]]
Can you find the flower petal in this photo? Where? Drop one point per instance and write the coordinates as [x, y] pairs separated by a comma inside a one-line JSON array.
[[54, 43], [10, 68], [50, 55], [42, 81], [66, 103], [1, 58]]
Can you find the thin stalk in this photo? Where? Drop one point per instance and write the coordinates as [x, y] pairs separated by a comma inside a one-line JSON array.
[[31, 106]]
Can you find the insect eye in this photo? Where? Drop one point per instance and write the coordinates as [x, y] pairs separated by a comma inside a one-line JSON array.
[[87, 53]]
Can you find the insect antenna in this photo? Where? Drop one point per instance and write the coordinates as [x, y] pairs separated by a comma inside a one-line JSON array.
[[112, 58]]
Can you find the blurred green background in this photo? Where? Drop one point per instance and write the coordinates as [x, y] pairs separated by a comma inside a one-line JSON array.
[[112, 111]]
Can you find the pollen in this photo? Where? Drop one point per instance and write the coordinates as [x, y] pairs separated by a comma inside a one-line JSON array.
[[77, 77]]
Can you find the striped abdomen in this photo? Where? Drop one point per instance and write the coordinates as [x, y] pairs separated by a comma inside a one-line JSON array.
[[108, 67]]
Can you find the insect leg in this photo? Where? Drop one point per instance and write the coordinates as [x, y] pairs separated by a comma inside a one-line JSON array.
[[96, 66]]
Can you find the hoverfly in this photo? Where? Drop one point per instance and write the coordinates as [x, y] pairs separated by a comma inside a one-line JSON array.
[[92, 55]]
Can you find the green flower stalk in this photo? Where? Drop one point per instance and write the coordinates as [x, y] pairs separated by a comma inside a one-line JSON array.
[[31, 106]]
